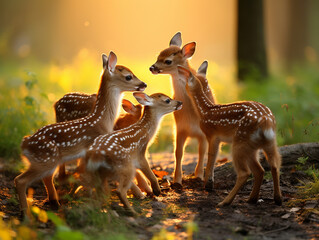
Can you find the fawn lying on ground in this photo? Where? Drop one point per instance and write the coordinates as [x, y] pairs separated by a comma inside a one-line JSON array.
[[249, 125], [187, 120], [115, 156], [54, 144]]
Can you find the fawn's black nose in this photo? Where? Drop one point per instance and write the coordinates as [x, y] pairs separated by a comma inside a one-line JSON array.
[[179, 105], [142, 86], [154, 69]]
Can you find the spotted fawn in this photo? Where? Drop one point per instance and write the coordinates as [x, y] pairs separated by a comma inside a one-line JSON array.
[[248, 125], [77, 105], [57, 143], [187, 121], [115, 156]]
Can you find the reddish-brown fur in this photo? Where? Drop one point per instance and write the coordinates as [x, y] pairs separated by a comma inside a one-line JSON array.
[[187, 121], [248, 125], [132, 115], [61, 142], [114, 156], [73, 106]]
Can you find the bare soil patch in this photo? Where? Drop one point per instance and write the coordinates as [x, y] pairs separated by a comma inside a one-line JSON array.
[[297, 218]]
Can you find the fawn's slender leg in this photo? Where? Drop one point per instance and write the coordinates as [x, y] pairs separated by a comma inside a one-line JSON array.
[[202, 149], [137, 191], [142, 182], [211, 159], [274, 160], [179, 151], [258, 173], [51, 191], [240, 155], [62, 173], [25, 179], [145, 168], [124, 185]]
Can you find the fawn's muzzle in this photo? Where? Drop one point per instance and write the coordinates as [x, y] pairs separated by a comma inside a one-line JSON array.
[[179, 105], [154, 69], [141, 87]]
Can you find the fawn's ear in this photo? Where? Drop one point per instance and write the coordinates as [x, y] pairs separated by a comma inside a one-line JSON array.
[[128, 106], [185, 75], [202, 70], [188, 50], [104, 59], [176, 40], [112, 62], [143, 98]]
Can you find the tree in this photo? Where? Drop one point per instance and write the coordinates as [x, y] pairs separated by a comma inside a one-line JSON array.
[[251, 53]]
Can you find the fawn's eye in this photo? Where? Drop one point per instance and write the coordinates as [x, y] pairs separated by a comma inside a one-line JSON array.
[[168, 62], [128, 77], [167, 100]]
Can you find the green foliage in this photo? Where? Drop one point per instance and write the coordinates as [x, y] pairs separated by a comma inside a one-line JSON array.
[[311, 188], [302, 160], [97, 223], [20, 113], [309, 170], [293, 100]]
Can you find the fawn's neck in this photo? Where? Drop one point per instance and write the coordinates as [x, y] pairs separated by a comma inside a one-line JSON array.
[[202, 102], [178, 85], [148, 123], [107, 103]]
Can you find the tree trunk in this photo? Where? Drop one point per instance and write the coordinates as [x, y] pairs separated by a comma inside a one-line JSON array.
[[251, 53]]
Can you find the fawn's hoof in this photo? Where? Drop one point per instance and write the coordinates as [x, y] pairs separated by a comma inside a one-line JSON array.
[[54, 204], [177, 186], [209, 186], [252, 200], [278, 201], [157, 192], [23, 216], [223, 204]]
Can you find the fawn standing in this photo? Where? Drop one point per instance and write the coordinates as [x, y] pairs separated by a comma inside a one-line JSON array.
[[115, 156], [54, 144], [249, 125], [187, 120], [77, 105]]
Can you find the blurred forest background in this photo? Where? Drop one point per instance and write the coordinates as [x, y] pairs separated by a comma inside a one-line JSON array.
[[258, 50]]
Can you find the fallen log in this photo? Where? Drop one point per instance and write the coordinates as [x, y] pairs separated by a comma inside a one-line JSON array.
[[291, 153]]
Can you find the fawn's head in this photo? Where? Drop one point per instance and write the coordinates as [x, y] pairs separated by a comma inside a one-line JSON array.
[[132, 109], [161, 103], [120, 76], [171, 57]]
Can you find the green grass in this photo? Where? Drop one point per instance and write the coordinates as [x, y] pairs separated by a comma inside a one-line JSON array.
[[21, 112], [294, 101], [97, 224]]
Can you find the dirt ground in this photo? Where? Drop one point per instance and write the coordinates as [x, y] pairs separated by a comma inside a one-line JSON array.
[[296, 219]]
